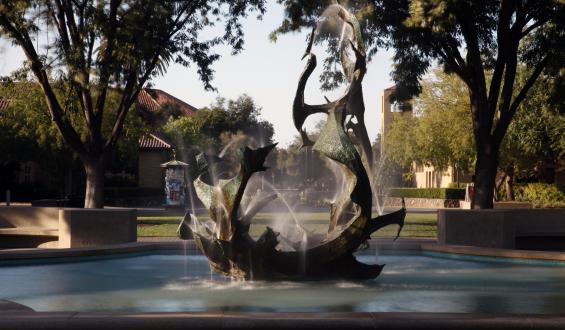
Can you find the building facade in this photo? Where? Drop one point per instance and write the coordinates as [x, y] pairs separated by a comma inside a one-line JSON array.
[[154, 149]]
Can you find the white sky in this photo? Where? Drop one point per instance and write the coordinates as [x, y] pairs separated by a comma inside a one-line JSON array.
[[266, 71]]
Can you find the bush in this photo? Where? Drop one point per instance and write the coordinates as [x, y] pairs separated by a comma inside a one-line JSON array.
[[132, 192], [460, 185], [434, 193], [27, 192], [134, 196], [541, 195]]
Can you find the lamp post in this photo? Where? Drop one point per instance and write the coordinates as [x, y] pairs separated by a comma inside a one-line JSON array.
[[174, 182]]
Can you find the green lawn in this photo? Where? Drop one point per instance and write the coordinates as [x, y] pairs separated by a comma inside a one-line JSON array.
[[417, 225]]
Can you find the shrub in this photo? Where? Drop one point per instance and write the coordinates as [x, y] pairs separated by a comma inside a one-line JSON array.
[[460, 185], [132, 192], [541, 195], [435, 193]]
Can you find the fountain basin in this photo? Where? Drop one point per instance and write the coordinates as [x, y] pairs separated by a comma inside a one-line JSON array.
[[180, 280]]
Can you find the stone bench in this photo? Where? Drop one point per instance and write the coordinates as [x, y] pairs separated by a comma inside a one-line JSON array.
[[31, 231], [22, 227], [528, 229]]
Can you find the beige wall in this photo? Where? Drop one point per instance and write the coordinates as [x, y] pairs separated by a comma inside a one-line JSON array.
[[386, 115], [427, 177], [150, 171]]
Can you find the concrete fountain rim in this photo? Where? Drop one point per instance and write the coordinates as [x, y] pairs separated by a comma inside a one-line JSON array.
[[25, 319], [147, 245]]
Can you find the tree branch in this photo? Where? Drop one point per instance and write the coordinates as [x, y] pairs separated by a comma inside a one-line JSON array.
[[534, 26], [502, 35], [22, 38], [506, 117], [105, 63]]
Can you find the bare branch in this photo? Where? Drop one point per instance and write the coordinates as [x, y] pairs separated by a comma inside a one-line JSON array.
[[506, 117]]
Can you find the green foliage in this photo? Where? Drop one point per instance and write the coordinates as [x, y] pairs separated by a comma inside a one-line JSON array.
[[440, 133], [212, 128], [536, 134], [541, 195], [30, 135], [27, 134], [469, 38], [104, 46], [401, 140], [459, 185], [435, 193]]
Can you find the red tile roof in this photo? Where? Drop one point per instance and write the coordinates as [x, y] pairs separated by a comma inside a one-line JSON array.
[[152, 141], [153, 99]]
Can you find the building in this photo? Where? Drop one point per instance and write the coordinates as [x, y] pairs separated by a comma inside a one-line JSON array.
[[151, 102], [390, 110], [154, 149], [426, 176]]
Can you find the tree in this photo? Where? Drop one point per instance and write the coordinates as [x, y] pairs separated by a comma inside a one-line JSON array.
[[441, 132], [224, 122], [115, 44], [30, 135], [468, 38], [535, 143]]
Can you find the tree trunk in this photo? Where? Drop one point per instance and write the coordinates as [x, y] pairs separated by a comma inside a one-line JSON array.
[[509, 185], [485, 175], [94, 194]]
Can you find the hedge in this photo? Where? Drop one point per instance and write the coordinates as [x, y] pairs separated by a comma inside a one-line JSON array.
[[133, 192], [434, 193]]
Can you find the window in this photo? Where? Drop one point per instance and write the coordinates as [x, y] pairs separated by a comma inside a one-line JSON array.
[[430, 179], [400, 107]]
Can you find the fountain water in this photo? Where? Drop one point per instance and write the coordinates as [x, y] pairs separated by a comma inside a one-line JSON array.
[[228, 245]]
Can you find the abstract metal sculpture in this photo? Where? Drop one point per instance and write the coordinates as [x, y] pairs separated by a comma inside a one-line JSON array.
[[225, 240]]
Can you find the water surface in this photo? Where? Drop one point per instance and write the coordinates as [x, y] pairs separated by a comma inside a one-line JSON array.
[[167, 282]]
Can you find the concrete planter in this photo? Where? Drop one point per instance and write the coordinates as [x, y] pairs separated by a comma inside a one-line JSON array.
[[66, 227], [532, 229], [500, 205], [95, 227]]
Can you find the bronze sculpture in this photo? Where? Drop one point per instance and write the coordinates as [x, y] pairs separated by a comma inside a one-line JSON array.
[[226, 241]]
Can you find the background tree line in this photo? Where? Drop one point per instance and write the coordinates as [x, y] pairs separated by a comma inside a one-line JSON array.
[[471, 39], [440, 133]]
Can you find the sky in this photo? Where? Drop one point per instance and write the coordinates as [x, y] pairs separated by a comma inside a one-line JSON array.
[[266, 71]]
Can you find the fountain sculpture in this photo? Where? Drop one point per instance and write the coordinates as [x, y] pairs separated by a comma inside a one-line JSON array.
[[226, 241]]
